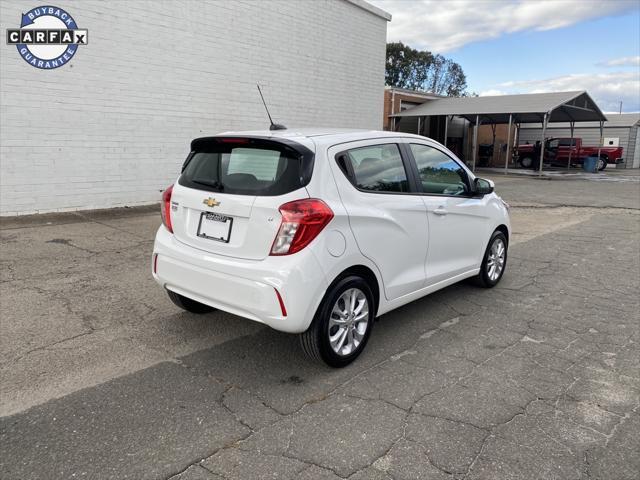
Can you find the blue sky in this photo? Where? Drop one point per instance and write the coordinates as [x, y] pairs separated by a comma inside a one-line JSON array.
[[521, 46]]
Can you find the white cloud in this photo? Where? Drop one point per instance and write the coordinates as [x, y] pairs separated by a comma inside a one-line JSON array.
[[492, 92], [607, 89], [441, 26], [622, 62]]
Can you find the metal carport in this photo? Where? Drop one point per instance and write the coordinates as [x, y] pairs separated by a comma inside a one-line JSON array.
[[568, 107]]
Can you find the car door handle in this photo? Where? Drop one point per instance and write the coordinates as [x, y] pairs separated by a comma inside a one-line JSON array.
[[440, 211]]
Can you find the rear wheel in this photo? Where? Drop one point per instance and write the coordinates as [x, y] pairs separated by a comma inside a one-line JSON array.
[[494, 261], [602, 163], [342, 324], [188, 304]]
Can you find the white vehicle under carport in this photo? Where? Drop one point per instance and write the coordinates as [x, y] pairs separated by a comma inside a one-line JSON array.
[[318, 232]]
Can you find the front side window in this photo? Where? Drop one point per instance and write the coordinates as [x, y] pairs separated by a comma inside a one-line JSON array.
[[439, 173], [376, 168]]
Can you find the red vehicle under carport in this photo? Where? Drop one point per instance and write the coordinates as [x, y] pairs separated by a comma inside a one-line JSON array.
[[566, 151]]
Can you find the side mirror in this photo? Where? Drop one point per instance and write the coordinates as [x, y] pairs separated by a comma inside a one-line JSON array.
[[482, 186]]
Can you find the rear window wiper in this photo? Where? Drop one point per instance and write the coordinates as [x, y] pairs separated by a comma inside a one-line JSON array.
[[216, 185]]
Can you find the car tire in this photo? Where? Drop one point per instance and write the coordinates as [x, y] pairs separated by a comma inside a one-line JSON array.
[[602, 163], [526, 162], [341, 327], [494, 261], [188, 304], [535, 164]]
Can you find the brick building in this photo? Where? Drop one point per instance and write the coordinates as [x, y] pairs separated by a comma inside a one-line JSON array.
[[113, 126], [397, 100]]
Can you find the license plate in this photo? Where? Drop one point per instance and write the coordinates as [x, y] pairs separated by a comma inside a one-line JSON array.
[[215, 227]]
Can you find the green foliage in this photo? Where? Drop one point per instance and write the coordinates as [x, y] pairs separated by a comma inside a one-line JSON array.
[[414, 69]]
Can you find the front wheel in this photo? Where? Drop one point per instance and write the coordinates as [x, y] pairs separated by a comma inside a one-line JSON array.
[[342, 324], [494, 261], [602, 163]]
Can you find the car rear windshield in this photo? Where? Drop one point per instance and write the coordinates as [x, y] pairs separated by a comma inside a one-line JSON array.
[[244, 166]]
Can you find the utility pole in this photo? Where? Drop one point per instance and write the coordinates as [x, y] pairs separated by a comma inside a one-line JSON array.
[[620, 107]]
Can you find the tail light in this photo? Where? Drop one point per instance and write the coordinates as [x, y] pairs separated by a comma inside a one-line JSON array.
[[302, 221], [165, 207]]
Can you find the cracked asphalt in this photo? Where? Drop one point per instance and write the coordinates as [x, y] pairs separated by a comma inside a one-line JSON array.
[[538, 378]]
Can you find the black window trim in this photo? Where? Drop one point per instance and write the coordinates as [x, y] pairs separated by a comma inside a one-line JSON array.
[[416, 173], [408, 169]]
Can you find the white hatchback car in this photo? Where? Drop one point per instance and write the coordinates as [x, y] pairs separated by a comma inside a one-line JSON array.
[[318, 232]]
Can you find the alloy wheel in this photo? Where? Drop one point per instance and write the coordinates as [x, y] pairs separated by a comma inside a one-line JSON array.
[[349, 321], [495, 261]]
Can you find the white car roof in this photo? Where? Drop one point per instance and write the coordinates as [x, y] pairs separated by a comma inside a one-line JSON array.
[[326, 137], [322, 135]]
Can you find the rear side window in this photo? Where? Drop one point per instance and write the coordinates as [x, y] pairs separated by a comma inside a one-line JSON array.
[[376, 168], [243, 167], [438, 172]]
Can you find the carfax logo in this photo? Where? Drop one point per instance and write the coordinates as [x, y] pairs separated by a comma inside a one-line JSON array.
[[48, 37]]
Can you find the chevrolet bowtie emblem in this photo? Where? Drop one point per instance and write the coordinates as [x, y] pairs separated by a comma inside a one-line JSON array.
[[210, 202]]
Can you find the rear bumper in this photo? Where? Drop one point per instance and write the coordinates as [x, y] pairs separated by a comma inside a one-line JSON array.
[[243, 287], [619, 160]]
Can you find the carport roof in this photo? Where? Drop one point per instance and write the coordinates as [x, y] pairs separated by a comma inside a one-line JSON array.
[[575, 106], [614, 120]]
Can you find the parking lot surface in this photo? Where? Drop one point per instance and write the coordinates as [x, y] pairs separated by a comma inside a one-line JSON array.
[[538, 378]]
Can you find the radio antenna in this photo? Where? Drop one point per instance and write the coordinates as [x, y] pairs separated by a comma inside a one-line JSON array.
[[273, 126]]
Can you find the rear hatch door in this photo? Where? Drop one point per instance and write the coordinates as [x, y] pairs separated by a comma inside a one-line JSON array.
[[226, 200]]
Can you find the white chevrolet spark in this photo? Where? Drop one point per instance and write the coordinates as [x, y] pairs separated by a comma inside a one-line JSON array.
[[320, 232]]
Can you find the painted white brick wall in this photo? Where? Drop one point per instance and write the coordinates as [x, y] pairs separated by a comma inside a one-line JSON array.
[[113, 127]]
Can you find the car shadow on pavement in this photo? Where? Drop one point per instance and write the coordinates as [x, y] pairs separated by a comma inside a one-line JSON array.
[[156, 421], [271, 365]]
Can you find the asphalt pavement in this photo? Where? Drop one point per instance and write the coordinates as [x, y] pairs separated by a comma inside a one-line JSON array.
[[539, 378]]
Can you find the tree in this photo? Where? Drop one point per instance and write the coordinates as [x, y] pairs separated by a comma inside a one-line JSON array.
[[414, 69]]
